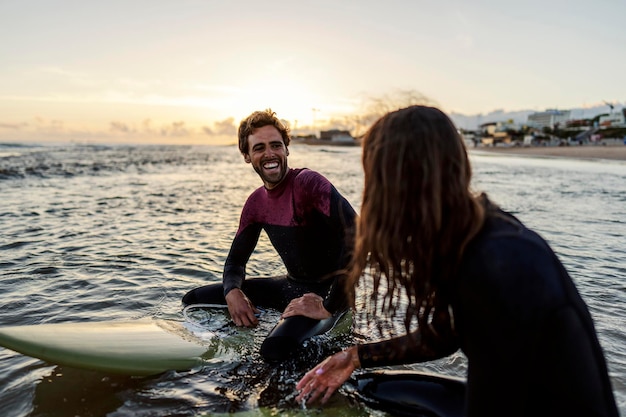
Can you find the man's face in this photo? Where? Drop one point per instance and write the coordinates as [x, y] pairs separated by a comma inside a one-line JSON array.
[[268, 155]]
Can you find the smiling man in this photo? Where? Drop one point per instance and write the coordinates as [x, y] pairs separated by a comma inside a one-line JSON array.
[[311, 226]]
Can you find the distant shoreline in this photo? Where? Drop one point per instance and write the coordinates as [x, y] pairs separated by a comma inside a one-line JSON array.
[[611, 152], [320, 142]]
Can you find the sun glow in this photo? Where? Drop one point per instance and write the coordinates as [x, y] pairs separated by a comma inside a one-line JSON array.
[[292, 101]]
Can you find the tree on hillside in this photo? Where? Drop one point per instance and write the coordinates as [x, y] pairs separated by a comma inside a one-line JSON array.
[[378, 106]]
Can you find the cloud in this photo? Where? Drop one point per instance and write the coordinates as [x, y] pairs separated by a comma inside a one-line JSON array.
[[121, 127], [146, 127], [69, 75], [225, 127], [49, 126], [176, 129], [13, 126]]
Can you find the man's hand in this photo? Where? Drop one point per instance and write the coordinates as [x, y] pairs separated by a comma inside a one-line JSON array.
[[241, 309], [309, 305]]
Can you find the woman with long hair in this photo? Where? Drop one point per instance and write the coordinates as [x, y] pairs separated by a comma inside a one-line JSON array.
[[463, 274]]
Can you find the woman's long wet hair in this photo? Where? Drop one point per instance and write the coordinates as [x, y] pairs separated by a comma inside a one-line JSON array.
[[417, 214]]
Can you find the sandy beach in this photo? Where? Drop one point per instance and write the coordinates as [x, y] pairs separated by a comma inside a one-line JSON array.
[[614, 152]]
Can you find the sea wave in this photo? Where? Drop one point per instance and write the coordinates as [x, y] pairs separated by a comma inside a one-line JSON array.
[[94, 232]]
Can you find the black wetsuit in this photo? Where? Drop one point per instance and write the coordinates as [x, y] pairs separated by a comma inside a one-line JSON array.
[[311, 226], [530, 341]]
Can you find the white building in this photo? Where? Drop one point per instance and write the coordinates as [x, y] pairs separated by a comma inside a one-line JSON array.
[[548, 118], [613, 119]]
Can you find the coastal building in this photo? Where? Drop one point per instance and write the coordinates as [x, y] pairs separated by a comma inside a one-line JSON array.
[[615, 119], [578, 124], [552, 128], [493, 133], [328, 137], [337, 136], [549, 118]]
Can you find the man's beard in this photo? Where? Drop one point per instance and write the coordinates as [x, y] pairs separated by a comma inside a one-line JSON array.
[[274, 178]]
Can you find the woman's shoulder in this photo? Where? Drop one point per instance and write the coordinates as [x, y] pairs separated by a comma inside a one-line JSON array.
[[508, 258]]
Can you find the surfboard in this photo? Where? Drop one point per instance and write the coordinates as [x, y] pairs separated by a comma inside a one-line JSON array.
[[151, 346], [148, 346], [133, 347]]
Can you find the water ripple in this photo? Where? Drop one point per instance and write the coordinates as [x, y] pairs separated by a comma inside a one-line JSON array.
[[118, 232]]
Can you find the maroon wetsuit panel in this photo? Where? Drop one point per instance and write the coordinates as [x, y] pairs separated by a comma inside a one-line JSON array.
[[306, 220]]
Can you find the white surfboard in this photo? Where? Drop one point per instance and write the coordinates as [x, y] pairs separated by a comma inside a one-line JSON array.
[[133, 347]]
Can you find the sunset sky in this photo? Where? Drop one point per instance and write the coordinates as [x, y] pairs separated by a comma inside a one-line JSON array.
[[187, 71]]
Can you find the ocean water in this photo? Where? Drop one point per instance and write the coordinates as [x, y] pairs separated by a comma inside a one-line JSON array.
[[122, 232]]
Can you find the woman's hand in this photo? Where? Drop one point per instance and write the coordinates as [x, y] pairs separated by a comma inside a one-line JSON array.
[[329, 375], [309, 305]]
